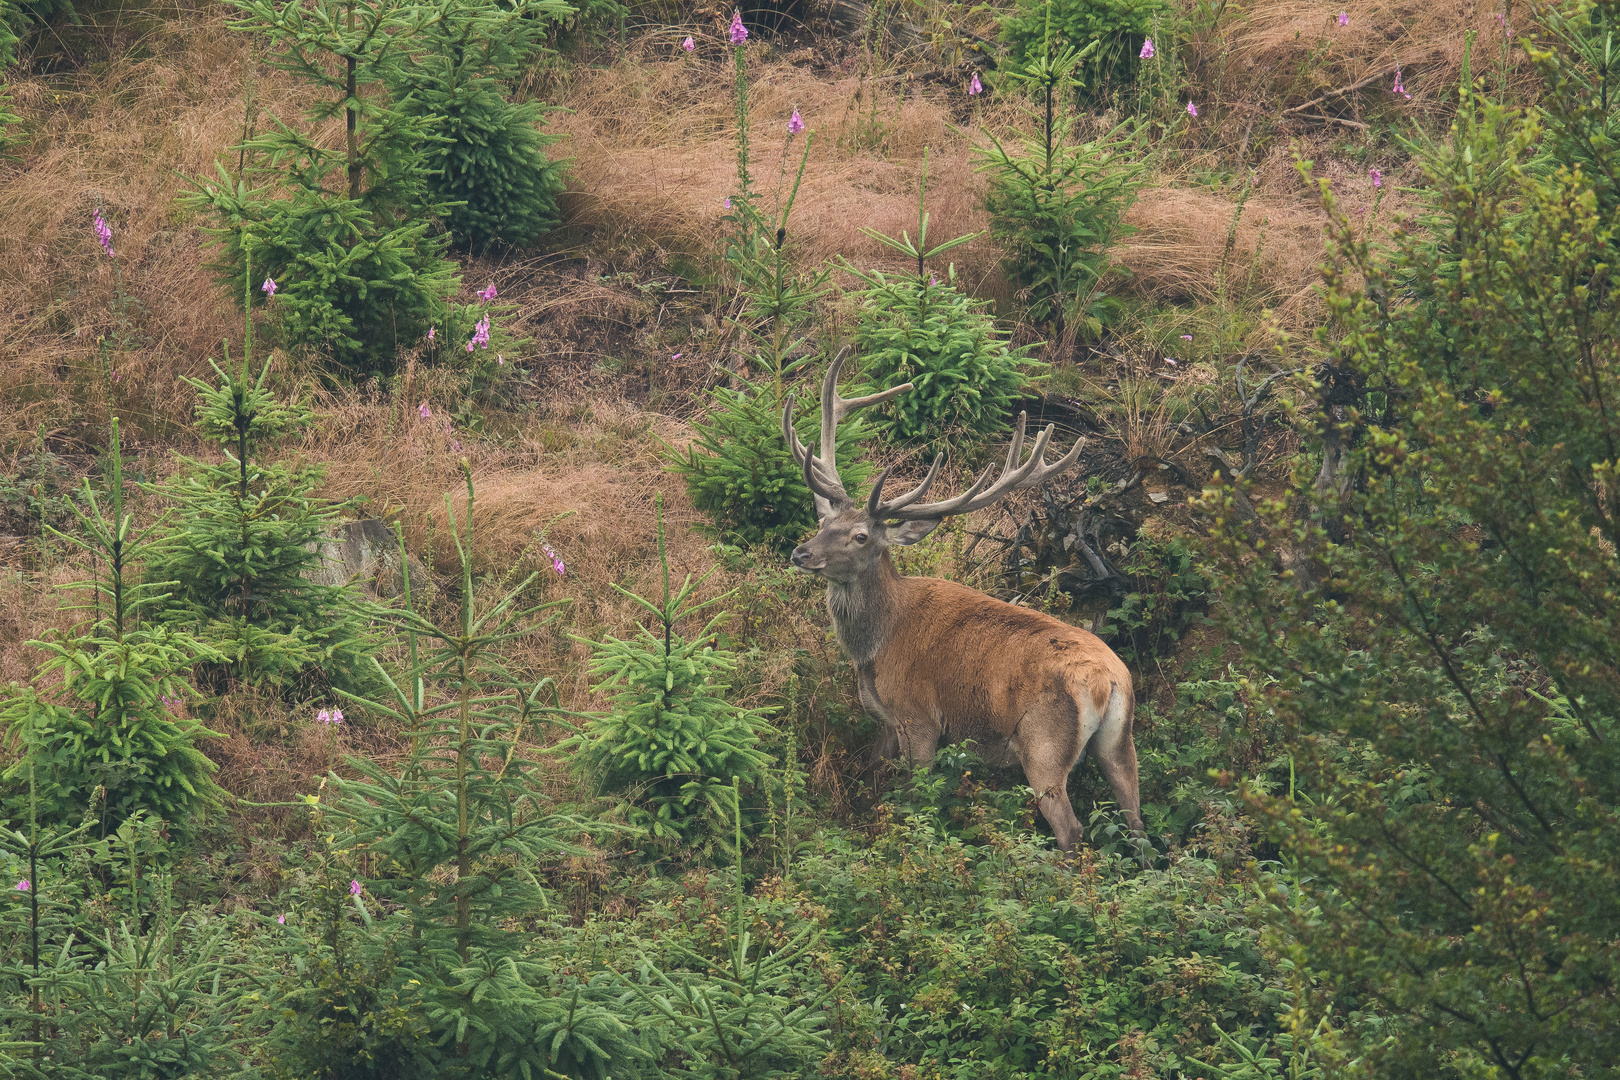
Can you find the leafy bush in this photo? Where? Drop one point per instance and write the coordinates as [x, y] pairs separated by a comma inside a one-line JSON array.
[[740, 472], [1447, 604], [974, 952], [1167, 593], [672, 743], [965, 377], [1117, 26]]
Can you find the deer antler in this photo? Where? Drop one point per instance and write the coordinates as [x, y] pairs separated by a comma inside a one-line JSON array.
[[1013, 478], [821, 472]]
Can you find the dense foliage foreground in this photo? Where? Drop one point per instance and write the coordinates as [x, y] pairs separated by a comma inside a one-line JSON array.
[[1384, 809]]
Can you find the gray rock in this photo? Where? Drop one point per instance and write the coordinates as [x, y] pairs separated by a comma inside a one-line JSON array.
[[365, 554]]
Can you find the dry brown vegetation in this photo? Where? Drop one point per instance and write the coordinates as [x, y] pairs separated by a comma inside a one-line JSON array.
[[83, 337]]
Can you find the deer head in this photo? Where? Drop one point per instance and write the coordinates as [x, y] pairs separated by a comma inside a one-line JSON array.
[[853, 536]]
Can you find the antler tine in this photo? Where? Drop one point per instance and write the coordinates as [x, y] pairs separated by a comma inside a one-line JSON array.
[[876, 508], [826, 488], [834, 408], [1013, 478]]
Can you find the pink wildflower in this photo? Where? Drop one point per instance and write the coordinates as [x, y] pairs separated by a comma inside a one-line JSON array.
[[423, 411], [480, 336], [269, 288], [676, 356], [975, 88], [1398, 88], [488, 294], [739, 32], [282, 919], [1186, 337], [430, 333], [1344, 18], [795, 122], [1501, 20], [354, 888], [1192, 110], [1172, 361], [556, 560], [688, 45], [116, 376], [500, 359], [1147, 50], [1377, 177], [104, 234], [24, 885], [933, 279], [728, 202], [455, 446]]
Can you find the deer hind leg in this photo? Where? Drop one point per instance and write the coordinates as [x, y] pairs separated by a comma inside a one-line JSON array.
[[1116, 754], [1047, 742]]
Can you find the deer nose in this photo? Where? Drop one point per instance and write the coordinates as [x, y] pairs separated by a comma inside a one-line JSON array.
[[801, 557]]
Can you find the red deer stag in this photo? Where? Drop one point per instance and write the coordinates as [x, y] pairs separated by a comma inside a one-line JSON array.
[[937, 660]]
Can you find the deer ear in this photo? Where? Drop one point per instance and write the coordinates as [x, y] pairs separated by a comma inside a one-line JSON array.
[[909, 532]]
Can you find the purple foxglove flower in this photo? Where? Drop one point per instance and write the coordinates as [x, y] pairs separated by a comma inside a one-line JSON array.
[[455, 446], [1172, 361], [488, 294], [1377, 177], [354, 888], [677, 356], [739, 32], [423, 411], [688, 45], [430, 333], [500, 360], [728, 202], [1501, 20], [337, 716], [933, 279], [116, 376], [323, 717], [282, 919], [480, 336], [1344, 18], [269, 287], [1147, 50], [24, 885], [104, 234], [975, 88], [795, 122], [1398, 88], [1192, 110], [1186, 337]]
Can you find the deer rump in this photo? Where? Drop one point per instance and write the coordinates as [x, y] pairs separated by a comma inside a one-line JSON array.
[[1056, 690]]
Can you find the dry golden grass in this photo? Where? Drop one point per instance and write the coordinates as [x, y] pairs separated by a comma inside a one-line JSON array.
[[1297, 50]]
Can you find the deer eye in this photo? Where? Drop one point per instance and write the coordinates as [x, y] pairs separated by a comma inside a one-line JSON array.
[[860, 538]]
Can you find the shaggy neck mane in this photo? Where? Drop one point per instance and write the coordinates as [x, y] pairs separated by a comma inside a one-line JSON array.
[[863, 610]]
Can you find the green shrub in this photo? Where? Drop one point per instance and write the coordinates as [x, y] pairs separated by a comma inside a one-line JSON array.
[[740, 472], [1167, 593], [346, 233], [244, 546], [98, 729], [965, 377], [487, 165], [1117, 26], [672, 743], [1056, 207]]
